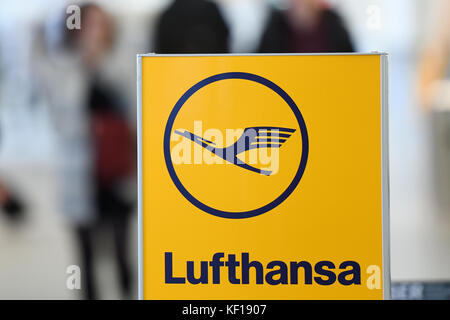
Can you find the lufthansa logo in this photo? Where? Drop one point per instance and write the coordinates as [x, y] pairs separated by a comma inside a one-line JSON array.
[[219, 190]]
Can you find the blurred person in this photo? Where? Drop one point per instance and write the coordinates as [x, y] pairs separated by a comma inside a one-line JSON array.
[[434, 64], [11, 205], [95, 141], [434, 95], [306, 26], [192, 26]]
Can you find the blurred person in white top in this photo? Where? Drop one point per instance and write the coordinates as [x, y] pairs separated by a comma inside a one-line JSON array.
[[94, 153]]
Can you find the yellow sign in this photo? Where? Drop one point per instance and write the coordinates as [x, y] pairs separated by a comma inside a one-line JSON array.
[[263, 177]]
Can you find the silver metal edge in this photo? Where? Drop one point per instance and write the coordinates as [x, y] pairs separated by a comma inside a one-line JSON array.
[[263, 54], [139, 180], [385, 177]]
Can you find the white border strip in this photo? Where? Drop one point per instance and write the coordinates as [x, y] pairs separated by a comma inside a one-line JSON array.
[[385, 176], [139, 180]]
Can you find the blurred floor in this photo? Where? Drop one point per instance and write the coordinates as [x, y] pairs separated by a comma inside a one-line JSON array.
[[420, 291]]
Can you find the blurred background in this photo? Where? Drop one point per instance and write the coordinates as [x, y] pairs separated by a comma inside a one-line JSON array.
[[68, 102]]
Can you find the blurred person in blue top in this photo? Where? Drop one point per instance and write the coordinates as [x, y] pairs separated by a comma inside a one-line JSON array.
[[306, 26]]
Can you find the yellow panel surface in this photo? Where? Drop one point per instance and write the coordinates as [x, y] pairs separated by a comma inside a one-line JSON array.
[[333, 214]]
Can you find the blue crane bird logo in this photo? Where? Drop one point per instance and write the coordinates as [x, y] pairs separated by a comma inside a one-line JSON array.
[[229, 154], [251, 138]]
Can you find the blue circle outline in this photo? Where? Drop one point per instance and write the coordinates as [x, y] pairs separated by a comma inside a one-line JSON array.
[[298, 116]]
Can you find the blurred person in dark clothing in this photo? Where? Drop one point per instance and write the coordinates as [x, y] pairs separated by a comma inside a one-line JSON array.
[[306, 26], [95, 143], [113, 165], [112, 153], [10, 204], [192, 26]]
